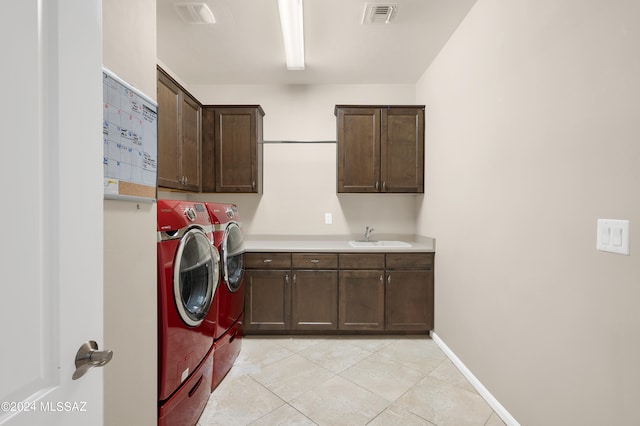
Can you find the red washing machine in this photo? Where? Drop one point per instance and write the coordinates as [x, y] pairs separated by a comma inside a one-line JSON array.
[[188, 277], [229, 240]]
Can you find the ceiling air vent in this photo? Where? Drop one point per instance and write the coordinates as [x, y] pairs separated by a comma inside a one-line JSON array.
[[195, 13], [375, 13]]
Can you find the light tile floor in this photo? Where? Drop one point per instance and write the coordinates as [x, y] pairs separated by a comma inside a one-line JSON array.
[[345, 381]]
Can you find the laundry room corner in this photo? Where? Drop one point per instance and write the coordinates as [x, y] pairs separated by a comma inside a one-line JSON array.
[[130, 264]]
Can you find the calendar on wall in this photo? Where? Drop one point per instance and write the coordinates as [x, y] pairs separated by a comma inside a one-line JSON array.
[[130, 140]]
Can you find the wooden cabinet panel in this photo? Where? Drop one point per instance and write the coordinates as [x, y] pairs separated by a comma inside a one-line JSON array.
[[267, 260], [235, 151], [179, 136], [168, 156], [314, 261], [402, 150], [208, 151], [314, 300], [409, 300], [191, 143], [233, 148], [361, 300], [267, 300], [380, 148], [358, 149], [409, 260], [361, 261]]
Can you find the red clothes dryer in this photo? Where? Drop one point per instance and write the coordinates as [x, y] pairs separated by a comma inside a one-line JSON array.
[[188, 277], [229, 240]]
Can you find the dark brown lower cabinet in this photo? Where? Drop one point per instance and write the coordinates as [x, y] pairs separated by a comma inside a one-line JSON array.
[[314, 300], [361, 302], [409, 293], [267, 300], [407, 300], [339, 293]]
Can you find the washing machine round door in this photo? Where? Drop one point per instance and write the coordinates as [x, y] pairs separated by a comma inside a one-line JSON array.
[[233, 256], [195, 276]]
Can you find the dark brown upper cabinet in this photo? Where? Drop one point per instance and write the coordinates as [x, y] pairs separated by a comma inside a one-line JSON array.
[[232, 148], [179, 136], [380, 148]]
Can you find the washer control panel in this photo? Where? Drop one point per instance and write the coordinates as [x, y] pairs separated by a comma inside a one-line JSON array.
[[190, 213]]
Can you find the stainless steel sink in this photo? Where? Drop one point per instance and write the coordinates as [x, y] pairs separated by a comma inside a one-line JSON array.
[[380, 244]]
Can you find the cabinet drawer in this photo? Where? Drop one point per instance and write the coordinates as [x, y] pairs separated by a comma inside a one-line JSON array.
[[361, 261], [314, 261], [267, 260], [409, 260]]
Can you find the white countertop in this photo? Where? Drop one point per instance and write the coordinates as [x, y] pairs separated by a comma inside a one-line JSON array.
[[334, 243]]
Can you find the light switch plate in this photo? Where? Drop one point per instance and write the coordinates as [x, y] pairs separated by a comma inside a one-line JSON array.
[[328, 218], [613, 236]]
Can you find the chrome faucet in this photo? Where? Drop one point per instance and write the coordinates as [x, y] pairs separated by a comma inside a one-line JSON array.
[[367, 233]]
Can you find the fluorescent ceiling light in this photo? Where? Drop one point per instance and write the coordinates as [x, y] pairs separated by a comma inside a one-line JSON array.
[[292, 32]]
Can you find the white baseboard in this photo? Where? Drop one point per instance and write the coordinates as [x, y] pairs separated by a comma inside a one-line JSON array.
[[484, 392]]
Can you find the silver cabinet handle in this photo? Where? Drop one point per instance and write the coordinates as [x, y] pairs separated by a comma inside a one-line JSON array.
[[294, 278], [314, 261], [384, 185], [286, 278], [377, 185], [253, 185], [381, 278], [88, 356], [389, 279], [267, 261]]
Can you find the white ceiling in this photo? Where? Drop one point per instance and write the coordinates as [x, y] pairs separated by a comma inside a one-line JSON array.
[[245, 46]]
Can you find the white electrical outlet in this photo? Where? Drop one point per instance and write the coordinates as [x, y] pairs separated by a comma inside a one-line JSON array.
[[613, 236], [328, 218]]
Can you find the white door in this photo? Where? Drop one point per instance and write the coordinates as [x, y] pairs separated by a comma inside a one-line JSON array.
[[51, 210]]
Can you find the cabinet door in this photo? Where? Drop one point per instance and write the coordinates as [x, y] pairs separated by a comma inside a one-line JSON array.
[[409, 300], [314, 300], [236, 136], [361, 300], [267, 300], [191, 143], [168, 133], [358, 149], [208, 168], [402, 150]]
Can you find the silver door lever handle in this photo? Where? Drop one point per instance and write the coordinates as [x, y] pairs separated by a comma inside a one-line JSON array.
[[89, 356]]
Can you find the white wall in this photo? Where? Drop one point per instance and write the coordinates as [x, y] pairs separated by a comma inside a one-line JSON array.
[[130, 283], [533, 134], [300, 178]]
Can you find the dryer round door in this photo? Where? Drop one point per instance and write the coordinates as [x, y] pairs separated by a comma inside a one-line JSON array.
[[233, 256], [195, 276]]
